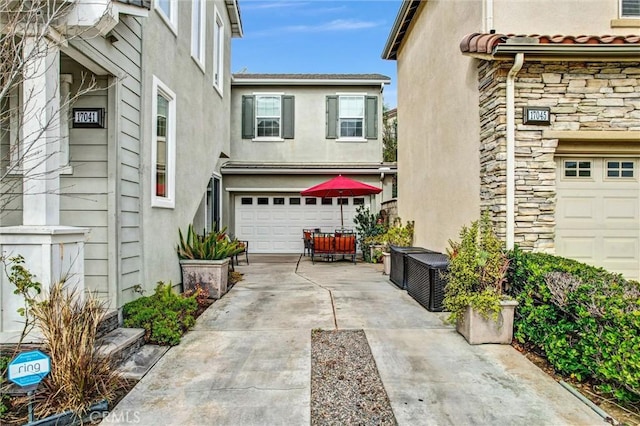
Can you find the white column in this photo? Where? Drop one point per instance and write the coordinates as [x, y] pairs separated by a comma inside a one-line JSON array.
[[41, 132]]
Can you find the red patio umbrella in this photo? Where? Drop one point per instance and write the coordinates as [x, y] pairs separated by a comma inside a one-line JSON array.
[[340, 186]]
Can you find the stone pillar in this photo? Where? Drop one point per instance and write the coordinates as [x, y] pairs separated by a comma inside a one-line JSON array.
[[41, 133]]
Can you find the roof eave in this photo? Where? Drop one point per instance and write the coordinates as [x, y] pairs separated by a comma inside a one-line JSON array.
[[307, 82], [307, 169], [403, 18], [548, 52], [234, 16]]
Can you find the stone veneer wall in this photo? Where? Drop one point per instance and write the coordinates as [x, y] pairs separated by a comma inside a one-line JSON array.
[[582, 96]]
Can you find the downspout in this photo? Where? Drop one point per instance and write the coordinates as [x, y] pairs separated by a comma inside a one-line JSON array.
[[488, 15], [511, 148]]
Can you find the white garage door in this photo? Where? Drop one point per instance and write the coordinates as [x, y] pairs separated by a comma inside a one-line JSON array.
[[274, 223], [598, 212]]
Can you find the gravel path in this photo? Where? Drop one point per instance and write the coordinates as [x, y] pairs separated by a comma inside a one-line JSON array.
[[345, 384]]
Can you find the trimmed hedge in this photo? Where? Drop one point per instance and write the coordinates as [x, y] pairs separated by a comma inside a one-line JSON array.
[[585, 319]]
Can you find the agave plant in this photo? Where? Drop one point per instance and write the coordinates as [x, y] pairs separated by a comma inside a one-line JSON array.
[[212, 246]]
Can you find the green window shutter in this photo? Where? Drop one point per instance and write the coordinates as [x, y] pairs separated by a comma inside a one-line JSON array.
[[332, 117], [248, 117], [371, 117], [288, 117]]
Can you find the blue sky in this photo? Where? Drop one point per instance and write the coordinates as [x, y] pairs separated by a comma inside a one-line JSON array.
[[316, 36]]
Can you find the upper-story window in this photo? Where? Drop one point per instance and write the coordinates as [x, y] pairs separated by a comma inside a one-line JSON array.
[[218, 51], [198, 31], [268, 116], [352, 117], [163, 148], [168, 11], [630, 8]]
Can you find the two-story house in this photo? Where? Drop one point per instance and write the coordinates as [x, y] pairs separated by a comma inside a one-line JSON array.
[[499, 112], [129, 161], [290, 132]]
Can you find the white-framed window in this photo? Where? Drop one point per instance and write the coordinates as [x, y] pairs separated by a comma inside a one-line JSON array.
[[198, 31], [629, 8], [351, 117], [268, 116], [163, 146], [576, 169], [218, 51], [168, 11], [620, 168]]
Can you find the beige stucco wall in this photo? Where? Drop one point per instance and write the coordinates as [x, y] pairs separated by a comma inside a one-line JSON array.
[[202, 130], [569, 17], [310, 144], [438, 162]]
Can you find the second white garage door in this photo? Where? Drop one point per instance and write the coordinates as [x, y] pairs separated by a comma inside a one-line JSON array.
[[598, 212], [274, 223]]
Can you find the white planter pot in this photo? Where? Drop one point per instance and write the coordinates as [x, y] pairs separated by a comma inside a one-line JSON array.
[[386, 262], [212, 275], [478, 329]]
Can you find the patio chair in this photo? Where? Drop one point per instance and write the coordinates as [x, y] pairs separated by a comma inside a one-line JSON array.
[[245, 251], [308, 242], [345, 245], [322, 245]]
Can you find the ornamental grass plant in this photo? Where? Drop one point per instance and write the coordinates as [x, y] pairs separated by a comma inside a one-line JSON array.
[[81, 374]]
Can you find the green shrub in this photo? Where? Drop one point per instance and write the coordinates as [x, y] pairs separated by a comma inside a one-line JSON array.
[[585, 319], [165, 315], [397, 235], [367, 226], [477, 270]]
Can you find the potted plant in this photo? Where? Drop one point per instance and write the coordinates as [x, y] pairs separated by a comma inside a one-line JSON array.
[[474, 293], [204, 260]]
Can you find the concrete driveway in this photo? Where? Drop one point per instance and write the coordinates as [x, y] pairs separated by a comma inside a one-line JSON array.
[[247, 361]]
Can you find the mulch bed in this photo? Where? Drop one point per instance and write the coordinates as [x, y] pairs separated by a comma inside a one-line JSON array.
[[345, 384]]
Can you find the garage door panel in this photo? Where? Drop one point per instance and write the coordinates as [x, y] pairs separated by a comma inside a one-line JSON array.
[[618, 248], [247, 215], [579, 208], [263, 215], [279, 230], [576, 247], [621, 208]]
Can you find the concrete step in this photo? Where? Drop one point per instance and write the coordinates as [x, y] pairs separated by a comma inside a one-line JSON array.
[[108, 323], [121, 343], [140, 362]]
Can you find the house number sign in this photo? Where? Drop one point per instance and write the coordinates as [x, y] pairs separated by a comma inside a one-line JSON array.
[[537, 115], [88, 118]]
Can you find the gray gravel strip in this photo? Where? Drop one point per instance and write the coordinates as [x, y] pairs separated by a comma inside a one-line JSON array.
[[345, 384]]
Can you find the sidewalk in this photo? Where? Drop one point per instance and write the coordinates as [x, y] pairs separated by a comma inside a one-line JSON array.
[[247, 361]]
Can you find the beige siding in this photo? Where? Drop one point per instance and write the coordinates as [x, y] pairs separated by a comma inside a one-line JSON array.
[[129, 138]]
